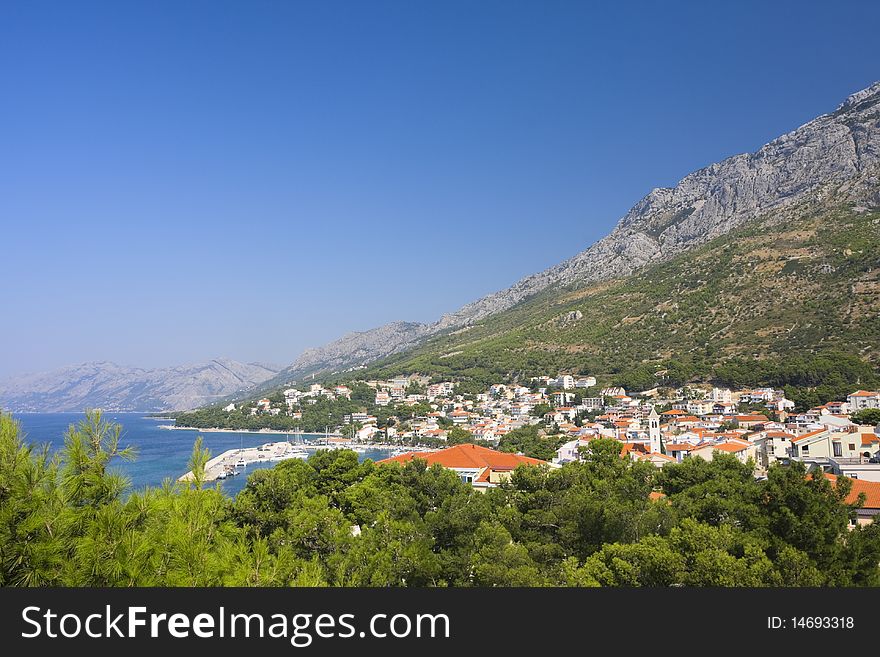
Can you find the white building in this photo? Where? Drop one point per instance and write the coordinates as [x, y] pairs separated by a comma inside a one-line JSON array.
[[721, 395], [654, 431], [862, 399], [700, 406], [570, 451]]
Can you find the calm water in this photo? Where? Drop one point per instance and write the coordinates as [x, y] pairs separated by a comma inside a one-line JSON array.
[[161, 453]]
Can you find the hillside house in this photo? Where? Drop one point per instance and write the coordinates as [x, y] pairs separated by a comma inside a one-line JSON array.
[[741, 449], [825, 444], [862, 399], [479, 466]]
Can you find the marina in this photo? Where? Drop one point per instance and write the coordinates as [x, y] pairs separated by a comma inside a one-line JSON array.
[[234, 462], [162, 455]]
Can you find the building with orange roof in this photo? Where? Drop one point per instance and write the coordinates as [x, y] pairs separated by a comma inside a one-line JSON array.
[[679, 450], [825, 444], [870, 440], [772, 446], [741, 449], [684, 421], [862, 399], [479, 466], [870, 506], [749, 421], [654, 458]]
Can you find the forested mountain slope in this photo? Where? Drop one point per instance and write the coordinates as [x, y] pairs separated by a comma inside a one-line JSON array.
[[798, 289], [832, 154]]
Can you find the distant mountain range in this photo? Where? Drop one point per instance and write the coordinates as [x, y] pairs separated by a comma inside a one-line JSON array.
[[113, 387], [827, 166]]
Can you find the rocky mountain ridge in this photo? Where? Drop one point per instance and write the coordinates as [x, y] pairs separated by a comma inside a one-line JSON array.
[[837, 152]]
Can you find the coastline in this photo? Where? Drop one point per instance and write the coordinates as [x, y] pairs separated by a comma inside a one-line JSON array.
[[269, 432], [232, 462], [313, 445]]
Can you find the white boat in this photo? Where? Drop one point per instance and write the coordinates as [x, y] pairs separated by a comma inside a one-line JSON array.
[[241, 463], [294, 453]]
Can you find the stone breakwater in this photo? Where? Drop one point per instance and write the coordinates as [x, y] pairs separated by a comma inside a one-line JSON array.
[[234, 461]]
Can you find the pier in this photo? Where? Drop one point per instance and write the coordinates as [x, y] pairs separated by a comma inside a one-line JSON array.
[[234, 460]]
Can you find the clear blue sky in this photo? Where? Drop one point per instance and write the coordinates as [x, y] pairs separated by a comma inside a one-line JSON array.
[[189, 179]]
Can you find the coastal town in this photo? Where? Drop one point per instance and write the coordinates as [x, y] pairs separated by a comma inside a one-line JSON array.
[[660, 426]]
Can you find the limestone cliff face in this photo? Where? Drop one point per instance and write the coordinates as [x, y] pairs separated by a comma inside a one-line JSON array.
[[837, 153], [833, 153], [355, 349], [113, 387]]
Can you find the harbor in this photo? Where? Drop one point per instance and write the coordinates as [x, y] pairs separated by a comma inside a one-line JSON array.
[[234, 462]]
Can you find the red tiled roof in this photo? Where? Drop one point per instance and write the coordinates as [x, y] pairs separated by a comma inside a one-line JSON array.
[[808, 435], [659, 455], [685, 447], [871, 489], [779, 434], [730, 447], [752, 418], [627, 448], [467, 456]]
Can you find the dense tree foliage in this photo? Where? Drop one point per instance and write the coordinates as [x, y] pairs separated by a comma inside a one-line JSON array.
[[318, 414], [67, 520], [867, 416], [531, 440], [808, 379]]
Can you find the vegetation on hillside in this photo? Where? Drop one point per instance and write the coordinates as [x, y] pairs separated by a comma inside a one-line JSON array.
[[786, 301], [318, 414], [68, 521]]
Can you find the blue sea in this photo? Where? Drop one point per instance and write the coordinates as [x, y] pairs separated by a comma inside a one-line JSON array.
[[161, 453]]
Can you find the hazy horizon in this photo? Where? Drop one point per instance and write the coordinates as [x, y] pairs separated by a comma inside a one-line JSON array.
[[186, 182]]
